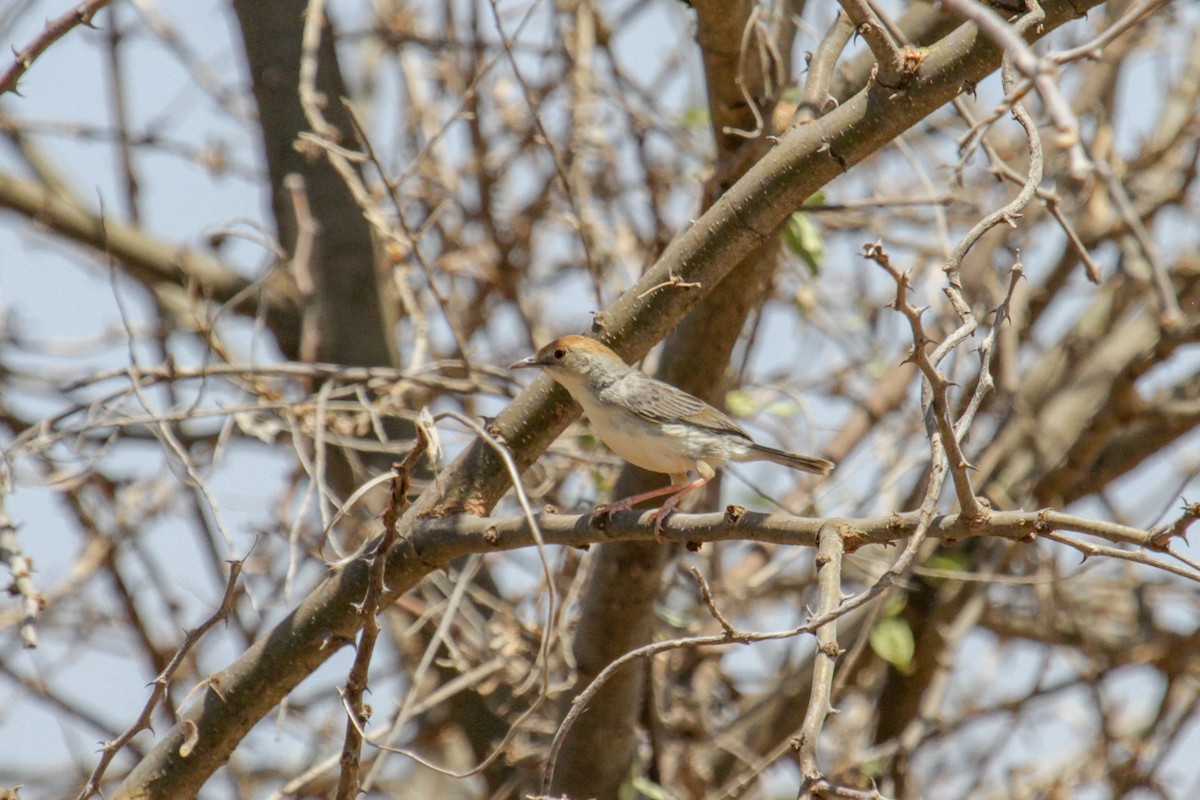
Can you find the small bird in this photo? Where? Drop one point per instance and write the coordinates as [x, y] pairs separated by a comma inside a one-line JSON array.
[[652, 424]]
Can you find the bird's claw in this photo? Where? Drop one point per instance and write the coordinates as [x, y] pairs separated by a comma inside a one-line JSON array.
[[660, 517], [607, 509], [601, 513]]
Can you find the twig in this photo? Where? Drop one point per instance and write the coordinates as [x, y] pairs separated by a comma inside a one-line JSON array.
[[1033, 177], [337, 373], [888, 54], [20, 566], [706, 597], [970, 609], [118, 89], [159, 424], [413, 239], [820, 701], [1161, 537], [468, 95], [984, 383], [304, 256], [743, 84], [1131, 17], [1090, 267], [1040, 71], [937, 384], [1170, 314], [146, 259], [586, 235], [672, 282], [356, 680], [442, 636], [924, 518], [552, 607], [55, 29], [160, 683], [880, 202], [1091, 549]]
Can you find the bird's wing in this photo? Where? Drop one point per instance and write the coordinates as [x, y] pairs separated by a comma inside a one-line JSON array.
[[661, 402]]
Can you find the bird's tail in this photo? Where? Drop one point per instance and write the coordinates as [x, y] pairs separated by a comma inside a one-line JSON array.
[[817, 466]]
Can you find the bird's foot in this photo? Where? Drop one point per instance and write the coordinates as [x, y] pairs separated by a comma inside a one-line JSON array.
[[660, 517], [601, 513], [606, 509]]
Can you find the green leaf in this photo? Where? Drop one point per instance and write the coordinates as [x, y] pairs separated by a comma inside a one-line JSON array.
[[892, 640], [949, 561], [673, 617], [893, 604], [740, 404], [783, 408], [649, 789], [694, 118], [804, 240], [874, 767]]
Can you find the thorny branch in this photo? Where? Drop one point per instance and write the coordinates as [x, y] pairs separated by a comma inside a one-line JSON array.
[[162, 682], [1039, 71], [828, 562], [896, 63], [937, 383], [20, 566], [55, 29], [349, 785]]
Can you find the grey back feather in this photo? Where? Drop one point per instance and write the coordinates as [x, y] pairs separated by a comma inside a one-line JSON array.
[[660, 402]]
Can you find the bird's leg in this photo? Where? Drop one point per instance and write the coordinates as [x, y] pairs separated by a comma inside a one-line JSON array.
[[668, 507], [630, 502], [678, 488]]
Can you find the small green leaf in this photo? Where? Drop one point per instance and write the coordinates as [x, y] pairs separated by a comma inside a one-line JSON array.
[[740, 404], [879, 368], [602, 480], [893, 604], [873, 768], [674, 618], [649, 789], [892, 640], [783, 408], [949, 561], [804, 240], [694, 118]]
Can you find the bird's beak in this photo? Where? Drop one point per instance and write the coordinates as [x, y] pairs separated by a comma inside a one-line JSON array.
[[532, 361]]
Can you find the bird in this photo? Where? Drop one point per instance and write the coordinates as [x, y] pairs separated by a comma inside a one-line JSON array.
[[652, 424]]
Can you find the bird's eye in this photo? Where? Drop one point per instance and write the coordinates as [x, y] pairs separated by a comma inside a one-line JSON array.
[[559, 353]]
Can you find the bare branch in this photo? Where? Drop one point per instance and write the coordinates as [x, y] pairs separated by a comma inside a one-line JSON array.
[[820, 702], [349, 786], [161, 683], [55, 29]]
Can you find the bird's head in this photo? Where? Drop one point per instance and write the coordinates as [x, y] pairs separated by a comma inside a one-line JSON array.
[[573, 357]]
